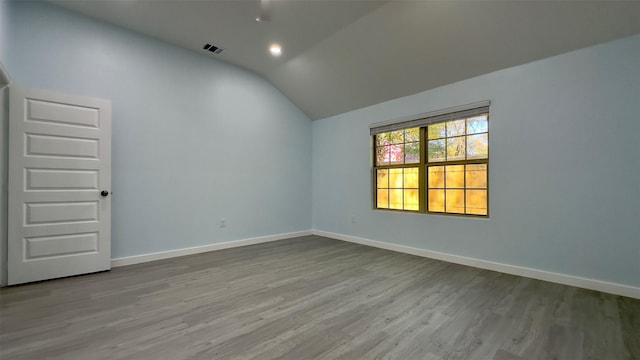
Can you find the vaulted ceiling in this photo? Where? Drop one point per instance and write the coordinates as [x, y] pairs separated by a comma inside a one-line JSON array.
[[341, 55]]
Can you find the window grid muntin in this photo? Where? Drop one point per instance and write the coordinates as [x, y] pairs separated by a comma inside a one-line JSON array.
[[401, 144], [464, 188], [465, 161], [393, 187]]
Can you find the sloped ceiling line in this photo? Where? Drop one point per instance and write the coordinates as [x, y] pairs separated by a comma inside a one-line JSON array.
[[341, 55]]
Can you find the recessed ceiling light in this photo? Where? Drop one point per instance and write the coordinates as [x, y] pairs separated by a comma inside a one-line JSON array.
[[275, 50], [258, 19]]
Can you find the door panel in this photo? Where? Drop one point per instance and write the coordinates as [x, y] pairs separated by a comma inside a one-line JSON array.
[[49, 146], [60, 245], [52, 112], [47, 179], [59, 162], [48, 213]]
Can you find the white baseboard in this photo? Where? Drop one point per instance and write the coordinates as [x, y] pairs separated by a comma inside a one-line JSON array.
[[137, 259], [591, 284]]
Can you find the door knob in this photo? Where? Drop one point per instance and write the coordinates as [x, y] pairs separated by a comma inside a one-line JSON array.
[[104, 193]]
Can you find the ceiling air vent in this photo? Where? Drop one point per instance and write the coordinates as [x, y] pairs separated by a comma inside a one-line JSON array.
[[214, 49]]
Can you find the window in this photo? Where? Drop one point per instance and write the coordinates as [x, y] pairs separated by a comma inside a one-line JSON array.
[[398, 156], [434, 164]]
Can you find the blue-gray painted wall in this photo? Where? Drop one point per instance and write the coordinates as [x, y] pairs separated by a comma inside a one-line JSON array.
[[564, 168], [194, 139]]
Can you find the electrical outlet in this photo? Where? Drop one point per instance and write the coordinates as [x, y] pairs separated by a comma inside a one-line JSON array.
[[223, 222], [354, 220]]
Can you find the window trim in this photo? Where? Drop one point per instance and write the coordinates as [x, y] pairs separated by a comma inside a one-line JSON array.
[[465, 111]]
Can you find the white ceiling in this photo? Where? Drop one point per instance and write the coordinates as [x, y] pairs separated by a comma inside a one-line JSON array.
[[341, 55]]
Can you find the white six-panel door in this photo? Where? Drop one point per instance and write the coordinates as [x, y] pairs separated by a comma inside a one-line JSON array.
[[59, 163]]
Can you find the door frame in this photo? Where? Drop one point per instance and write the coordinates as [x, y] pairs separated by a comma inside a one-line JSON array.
[[4, 183]]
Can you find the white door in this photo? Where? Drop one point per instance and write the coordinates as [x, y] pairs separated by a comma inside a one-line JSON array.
[[59, 185]]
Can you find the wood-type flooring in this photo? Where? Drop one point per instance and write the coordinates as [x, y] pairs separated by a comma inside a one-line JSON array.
[[312, 298]]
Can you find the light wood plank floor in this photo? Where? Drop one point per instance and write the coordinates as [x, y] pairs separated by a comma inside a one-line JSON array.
[[312, 298]]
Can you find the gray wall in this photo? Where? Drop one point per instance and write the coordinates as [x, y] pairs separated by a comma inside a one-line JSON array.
[[564, 168], [194, 139], [4, 16]]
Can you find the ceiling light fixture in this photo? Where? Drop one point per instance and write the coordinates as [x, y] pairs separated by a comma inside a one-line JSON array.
[[275, 50]]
